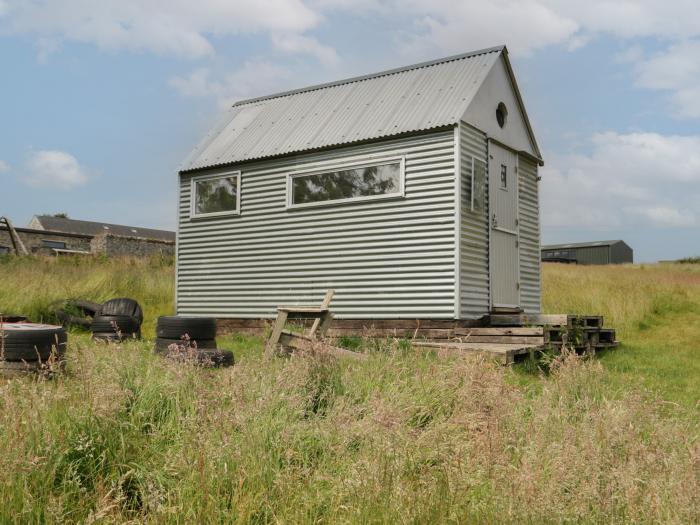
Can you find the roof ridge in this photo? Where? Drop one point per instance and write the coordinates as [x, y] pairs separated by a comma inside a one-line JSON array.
[[102, 223], [369, 76]]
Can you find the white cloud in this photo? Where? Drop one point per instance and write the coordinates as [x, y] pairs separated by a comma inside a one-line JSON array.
[[663, 216], [252, 79], [295, 43], [4, 166], [54, 169], [626, 179], [677, 70], [175, 27]]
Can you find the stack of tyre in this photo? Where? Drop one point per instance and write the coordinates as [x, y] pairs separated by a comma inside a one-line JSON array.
[[190, 339], [117, 320], [31, 347]]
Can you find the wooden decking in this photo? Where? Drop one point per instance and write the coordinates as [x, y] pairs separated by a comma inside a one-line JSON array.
[[510, 336]]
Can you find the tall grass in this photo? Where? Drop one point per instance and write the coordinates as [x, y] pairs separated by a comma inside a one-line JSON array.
[[403, 437], [627, 295], [29, 286]]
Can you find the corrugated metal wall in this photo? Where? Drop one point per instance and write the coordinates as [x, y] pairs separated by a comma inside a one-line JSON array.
[[620, 253], [474, 231], [529, 228], [593, 255], [385, 258]]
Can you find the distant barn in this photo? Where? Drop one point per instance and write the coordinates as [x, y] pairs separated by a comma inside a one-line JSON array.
[[413, 193], [596, 252]]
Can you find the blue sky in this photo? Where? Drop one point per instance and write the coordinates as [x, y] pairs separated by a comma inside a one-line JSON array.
[[101, 101]]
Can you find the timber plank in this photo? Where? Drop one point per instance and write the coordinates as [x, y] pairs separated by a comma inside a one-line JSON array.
[[517, 331], [535, 340]]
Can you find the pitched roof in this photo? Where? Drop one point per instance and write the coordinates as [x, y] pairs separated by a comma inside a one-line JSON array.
[[60, 224], [414, 98], [589, 244]]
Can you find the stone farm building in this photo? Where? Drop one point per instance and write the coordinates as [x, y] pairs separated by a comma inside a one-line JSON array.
[[55, 235], [413, 193]]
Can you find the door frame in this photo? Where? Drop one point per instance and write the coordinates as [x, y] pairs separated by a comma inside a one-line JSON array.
[[489, 141]]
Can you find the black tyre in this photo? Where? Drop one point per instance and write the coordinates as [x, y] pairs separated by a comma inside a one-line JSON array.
[[164, 344], [75, 312], [207, 357], [31, 342], [114, 323], [197, 328], [122, 306]]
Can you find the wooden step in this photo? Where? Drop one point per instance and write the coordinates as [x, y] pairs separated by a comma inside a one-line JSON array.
[[506, 339], [528, 319]]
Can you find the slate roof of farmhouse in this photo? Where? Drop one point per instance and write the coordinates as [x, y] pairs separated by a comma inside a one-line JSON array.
[[415, 98], [65, 225]]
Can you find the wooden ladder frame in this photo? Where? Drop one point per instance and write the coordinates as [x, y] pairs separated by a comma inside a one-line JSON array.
[[311, 341], [17, 243]]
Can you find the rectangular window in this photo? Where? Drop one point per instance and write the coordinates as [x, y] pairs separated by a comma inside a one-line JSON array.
[[379, 180], [504, 177], [4, 250], [215, 195], [479, 185], [53, 244]]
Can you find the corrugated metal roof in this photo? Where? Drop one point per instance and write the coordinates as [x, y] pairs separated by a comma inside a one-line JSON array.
[[414, 98], [590, 244]]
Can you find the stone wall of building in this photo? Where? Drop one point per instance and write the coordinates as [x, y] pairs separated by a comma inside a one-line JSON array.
[[41, 241], [44, 241], [115, 246]]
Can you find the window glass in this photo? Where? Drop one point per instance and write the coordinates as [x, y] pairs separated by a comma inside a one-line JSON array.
[[504, 176], [468, 182], [4, 250], [53, 244], [217, 195], [479, 190], [353, 183]]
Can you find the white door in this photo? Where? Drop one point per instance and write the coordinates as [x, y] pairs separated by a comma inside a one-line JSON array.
[[504, 259]]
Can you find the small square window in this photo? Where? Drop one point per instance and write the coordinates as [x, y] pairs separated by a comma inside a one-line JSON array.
[[46, 243], [504, 176], [216, 195]]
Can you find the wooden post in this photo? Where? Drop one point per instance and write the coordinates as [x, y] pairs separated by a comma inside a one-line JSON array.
[[275, 335], [325, 304]]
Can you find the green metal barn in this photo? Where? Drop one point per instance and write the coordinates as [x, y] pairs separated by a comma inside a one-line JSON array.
[[595, 252]]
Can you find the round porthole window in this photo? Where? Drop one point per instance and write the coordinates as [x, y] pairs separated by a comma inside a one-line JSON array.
[[501, 114]]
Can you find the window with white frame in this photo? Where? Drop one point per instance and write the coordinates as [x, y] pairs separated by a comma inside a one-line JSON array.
[[378, 179], [214, 195]]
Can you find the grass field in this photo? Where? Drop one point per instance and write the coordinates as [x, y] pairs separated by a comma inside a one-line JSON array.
[[401, 438]]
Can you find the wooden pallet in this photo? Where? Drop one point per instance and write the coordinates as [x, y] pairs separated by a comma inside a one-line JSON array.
[[504, 353], [513, 335]]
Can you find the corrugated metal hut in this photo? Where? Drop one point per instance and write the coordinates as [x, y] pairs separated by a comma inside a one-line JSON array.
[[594, 252], [413, 193]]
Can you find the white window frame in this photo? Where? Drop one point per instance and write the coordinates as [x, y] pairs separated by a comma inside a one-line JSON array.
[[379, 161], [193, 200]]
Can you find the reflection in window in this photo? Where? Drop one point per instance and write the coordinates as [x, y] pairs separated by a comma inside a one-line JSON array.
[[347, 184], [216, 196], [479, 186]]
